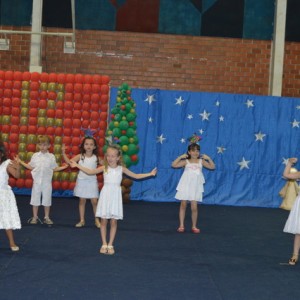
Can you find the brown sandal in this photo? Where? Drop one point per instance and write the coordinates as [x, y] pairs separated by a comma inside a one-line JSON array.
[[293, 260], [110, 250]]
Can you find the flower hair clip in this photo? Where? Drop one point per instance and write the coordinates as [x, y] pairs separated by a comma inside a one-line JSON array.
[[88, 132], [111, 140], [195, 139]]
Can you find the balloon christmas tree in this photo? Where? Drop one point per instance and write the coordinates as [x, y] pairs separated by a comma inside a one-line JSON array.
[[122, 130]]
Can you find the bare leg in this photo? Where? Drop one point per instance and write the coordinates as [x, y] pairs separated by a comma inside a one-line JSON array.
[[47, 211], [35, 210], [113, 231], [82, 203], [94, 202], [103, 231], [296, 244], [182, 211], [194, 210], [10, 236]]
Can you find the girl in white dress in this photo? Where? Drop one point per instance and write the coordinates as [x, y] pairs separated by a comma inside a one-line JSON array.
[[86, 186], [190, 186], [9, 215], [110, 205], [292, 224]]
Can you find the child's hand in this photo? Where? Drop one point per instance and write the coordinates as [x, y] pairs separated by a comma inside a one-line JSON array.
[[63, 148], [183, 156], [153, 172], [205, 157], [73, 164], [17, 159], [64, 166], [293, 160]]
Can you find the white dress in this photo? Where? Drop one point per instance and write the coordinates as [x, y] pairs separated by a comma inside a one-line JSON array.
[[190, 186], [110, 205], [9, 215], [87, 185], [292, 224]]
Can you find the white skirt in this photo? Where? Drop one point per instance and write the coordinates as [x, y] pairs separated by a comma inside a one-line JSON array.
[[87, 189], [292, 224]]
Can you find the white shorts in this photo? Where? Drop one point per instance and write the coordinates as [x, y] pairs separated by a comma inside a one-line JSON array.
[[41, 194]]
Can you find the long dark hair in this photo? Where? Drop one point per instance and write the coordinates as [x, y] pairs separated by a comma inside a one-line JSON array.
[[95, 151], [192, 146], [3, 155]]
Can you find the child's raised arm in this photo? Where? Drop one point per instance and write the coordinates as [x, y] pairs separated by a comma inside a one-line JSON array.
[[23, 163], [66, 158], [88, 171], [207, 162], [179, 162], [287, 171], [14, 168], [139, 176]]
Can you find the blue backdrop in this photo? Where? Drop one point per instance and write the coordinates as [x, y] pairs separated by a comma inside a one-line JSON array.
[[249, 138]]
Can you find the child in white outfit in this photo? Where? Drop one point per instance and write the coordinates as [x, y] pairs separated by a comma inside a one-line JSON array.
[[190, 187], [9, 215], [86, 186], [42, 166], [110, 204]]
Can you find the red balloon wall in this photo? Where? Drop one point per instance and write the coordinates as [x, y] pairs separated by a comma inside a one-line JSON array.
[[58, 105]]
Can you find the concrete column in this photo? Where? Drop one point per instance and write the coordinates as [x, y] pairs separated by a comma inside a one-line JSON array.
[[277, 53], [36, 46]]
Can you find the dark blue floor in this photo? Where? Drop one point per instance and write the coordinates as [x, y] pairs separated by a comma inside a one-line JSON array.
[[238, 255]]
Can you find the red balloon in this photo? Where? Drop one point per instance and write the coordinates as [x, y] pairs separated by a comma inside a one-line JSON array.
[[68, 105], [59, 113], [95, 98], [78, 87], [43, 95], [70, 78], [18, 76], [52, 95], [69, 96], [86, 98], [96, 88], [88, 78], [76, 123], [33, 103], [86, 106], [76, 141], [94, 107], [87, 88], [32, 129], [52, 77], [7, 93], [20, 182], [76, 114], [26, 76], [97, 79], [67, 140], [28, 183], [16, 93], [6, 102], [102, 125], [44, 77], [68, 114], [33, 112], [41, 130], [50, 113], [104, 107], [85, 115], [76, 132], [34, 86], [42, 104], [35, 76], [61, 78], [8, 84], [56, 185], [77, 97], [13, 137], [94, 124], [75, 150], [59, 104], [85, 123], [50, 131], [104, 99], [67, 123], [32, 121], [94, 115], [79, 78], [15, 119], [72, 185], [69, 87], [6, 110], [103, 116], [31, 147], [12, 181], [67, 131], [105, 79], [23, 129], [14, 129], [58, 131], [9, 75], [77, 106]]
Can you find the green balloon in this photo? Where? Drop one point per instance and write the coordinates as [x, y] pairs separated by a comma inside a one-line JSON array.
[[130, 132], [114, 110], [130, 117], [124, 140], [116, 132], [111, 125], [135, 140], [128, 107], [132, 149], [123, 125], [118, 117], [126, 160], [105, 148]]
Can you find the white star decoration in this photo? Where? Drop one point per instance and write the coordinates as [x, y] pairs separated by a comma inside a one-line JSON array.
[[150, 120], [179, 101], [201, 131], [150, 99], [205, 115], [221, 119], [160, 139], [190, 116], [260, 136], [295, 123], [218, 103], [249, 103], [285, 161], [244, 163], [221, 149], [298, 106], [182, 141]]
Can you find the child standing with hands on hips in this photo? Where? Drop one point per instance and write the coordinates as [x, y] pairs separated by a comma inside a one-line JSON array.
[[9, 215], [190, 186], [86, 186], [110, 206], [292, 224], [42, 166]]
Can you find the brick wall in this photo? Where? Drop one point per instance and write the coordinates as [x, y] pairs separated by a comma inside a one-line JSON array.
[[168, 62]]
